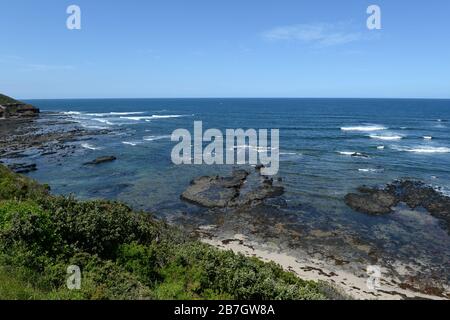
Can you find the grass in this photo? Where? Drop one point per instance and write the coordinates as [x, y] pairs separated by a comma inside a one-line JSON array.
[[6, 100]]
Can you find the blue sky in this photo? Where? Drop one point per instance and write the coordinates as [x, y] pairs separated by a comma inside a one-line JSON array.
[[233, 48]]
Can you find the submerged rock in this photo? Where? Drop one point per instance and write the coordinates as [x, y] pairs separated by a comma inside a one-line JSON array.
[[100, 160], [233, 191], [371, 201], [413, 193], [22, 167], [215, 191]]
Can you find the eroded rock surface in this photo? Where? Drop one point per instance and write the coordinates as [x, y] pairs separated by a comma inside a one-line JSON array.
[[240, 189], [371, 201], [413, 193], [23, 139], [100, 160]]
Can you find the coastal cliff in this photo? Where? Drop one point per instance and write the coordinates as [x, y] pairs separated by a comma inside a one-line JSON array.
[[11, 108]]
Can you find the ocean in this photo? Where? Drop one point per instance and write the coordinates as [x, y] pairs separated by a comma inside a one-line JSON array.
[[328, 147]]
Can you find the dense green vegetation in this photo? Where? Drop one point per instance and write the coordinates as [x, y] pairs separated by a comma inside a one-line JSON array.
[[5, 99], [122, 254]]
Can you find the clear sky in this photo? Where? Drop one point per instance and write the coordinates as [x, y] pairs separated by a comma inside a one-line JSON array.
[[224, 48]]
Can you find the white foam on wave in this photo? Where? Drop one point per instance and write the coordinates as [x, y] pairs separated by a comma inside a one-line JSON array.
[[370, 170], [386, 137], [353, 154], [136, 118], [258, 149], [424, 149], [131, 143], [89, 146], [154, 138], [125, 113], [72, 113], [366, 128], [263, 149], [443, 190], [103, 121], [346, 153], [430, 150], [153, 117], [108, 114], [167, 116], [96, 114]]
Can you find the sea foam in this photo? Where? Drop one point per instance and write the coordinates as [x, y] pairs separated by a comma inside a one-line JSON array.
[[424, 149], [154, 138], [367, 128], [130, 143], [370, 170], [386, 137], [153, 117], [72, 113], [89, 146]]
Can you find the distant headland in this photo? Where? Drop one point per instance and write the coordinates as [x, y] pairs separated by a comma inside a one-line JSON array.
[[11, 108]]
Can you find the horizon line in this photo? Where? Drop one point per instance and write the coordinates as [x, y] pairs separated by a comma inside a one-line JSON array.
[[205, 98]]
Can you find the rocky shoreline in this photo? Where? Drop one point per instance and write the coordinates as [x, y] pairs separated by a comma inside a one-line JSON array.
[[249, 211], [46, 135], [415, 194]]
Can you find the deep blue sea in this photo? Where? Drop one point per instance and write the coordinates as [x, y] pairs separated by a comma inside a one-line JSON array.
[[402, 138]]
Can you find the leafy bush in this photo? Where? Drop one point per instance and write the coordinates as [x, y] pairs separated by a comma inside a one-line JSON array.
[[14, 186]]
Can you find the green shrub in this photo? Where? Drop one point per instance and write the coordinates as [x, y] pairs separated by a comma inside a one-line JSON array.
[[15, 186], [27, 223]]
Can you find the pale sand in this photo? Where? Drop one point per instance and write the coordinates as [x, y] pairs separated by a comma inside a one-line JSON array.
[[353, 284]]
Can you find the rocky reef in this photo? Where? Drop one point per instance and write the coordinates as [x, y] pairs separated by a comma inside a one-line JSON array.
[[100, 160], [23, 140], [11, 108], [242, 188], [414, 194]]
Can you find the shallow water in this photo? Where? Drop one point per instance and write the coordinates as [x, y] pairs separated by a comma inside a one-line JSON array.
[[317, 139]]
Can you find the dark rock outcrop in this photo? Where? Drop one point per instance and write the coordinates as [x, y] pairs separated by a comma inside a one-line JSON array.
[[371, 201], [100, 160], [236, 190], [11, 108], [23, 167], [359, 155], [413, 193]]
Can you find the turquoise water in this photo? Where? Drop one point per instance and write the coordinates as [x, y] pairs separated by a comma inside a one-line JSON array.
[[317, 137]]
